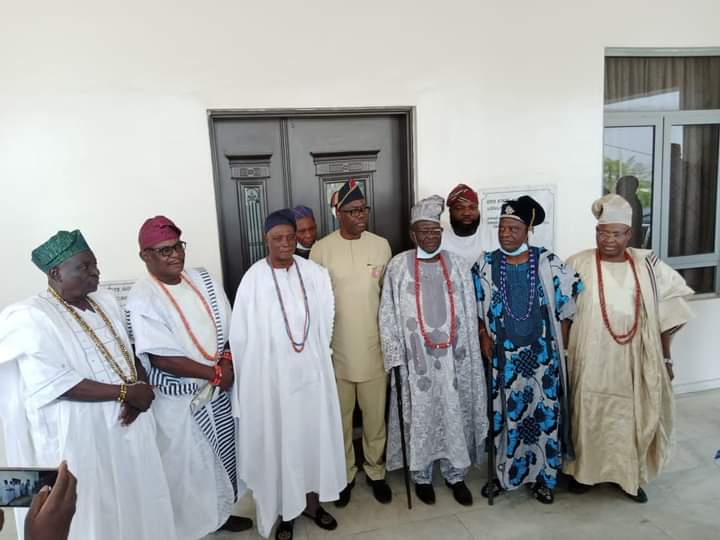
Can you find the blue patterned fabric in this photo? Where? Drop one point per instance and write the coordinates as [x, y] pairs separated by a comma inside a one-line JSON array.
[[527, 382]]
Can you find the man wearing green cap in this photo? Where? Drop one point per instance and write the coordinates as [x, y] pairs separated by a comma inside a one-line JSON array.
[[72, 390]]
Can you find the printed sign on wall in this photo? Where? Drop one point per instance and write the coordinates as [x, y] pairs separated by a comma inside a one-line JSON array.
[[491, 200]]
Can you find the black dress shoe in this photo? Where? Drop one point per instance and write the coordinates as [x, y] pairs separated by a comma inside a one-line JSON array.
[[345, 495], [425, 493], [381, 490], [641, 496], [577, 488], [237, 524], [461, 493]]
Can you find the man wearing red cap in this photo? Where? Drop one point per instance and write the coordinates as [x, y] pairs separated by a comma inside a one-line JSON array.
[[463, 237], [180, 320]]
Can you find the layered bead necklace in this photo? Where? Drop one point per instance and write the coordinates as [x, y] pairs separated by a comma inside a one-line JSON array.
[[620, 339], [127, 379], [430, 344], [532, 286], [209, 357], [298, 346]]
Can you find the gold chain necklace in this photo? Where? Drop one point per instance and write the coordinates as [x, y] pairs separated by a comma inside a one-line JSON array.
[[127, 379]]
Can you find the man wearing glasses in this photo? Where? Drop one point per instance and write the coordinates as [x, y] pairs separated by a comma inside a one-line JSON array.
[[180, 320], [356, 261]]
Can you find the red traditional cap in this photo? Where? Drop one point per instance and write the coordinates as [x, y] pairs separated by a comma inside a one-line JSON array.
[[157, 229], [462, 193]]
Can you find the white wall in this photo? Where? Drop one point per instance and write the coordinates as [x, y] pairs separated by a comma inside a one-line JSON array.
[[103, 107]]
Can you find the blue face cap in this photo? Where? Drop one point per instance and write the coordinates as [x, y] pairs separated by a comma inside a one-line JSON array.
[[284, 216]]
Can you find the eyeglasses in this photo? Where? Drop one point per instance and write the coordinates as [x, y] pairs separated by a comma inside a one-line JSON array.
[[429, 232], [166, 251], [356, 212]]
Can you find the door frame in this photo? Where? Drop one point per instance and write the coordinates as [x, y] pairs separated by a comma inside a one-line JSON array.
[[407, 113]]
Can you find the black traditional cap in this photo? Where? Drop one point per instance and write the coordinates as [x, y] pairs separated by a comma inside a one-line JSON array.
[[349, 192], [525, 209], [280, 217]]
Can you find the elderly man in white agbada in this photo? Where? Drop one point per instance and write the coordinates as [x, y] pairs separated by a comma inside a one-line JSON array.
[[291, 453], [72, 390], [619, 359]]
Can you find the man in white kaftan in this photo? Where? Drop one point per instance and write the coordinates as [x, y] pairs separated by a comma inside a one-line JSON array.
[[64, 400], [621, 396], [169, 309], [285, 396], [428, 327]]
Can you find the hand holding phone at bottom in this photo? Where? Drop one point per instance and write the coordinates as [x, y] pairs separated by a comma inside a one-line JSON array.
[[51, 511]]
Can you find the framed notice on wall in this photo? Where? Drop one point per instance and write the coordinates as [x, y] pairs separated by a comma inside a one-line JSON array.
[[120, 289], [491, 200]]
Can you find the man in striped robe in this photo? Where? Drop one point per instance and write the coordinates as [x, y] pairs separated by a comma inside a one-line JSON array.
[[180, 320]]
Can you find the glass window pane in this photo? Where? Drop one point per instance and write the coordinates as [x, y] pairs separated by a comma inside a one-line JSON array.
[[693, 189], [702, 280], [331, 185], [628, 154], [254, 221], [662, 83]]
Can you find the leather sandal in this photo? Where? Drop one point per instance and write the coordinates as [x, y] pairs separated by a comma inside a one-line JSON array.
[[322, 519]]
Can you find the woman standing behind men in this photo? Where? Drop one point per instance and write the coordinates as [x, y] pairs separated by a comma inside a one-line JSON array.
[[526, 302]]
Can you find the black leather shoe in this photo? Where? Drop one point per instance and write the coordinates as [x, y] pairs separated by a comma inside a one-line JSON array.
[[577, 488], [237, 524], [641, 496], [345, 495], [461, 493], [381, 490], [425, 493]]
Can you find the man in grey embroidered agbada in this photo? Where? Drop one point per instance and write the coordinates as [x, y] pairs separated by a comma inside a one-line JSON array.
[[428, 327]]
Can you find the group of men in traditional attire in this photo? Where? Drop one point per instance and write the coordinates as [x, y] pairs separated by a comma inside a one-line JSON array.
[[547, 365]]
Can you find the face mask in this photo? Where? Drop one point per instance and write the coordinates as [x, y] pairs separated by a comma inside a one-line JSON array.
[[519, 251], [422, 254]]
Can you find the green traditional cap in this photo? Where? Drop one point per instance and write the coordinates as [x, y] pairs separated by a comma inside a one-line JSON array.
[[60, 247]]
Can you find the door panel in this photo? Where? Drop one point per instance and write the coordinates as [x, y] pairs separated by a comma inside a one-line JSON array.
[[263, 164]]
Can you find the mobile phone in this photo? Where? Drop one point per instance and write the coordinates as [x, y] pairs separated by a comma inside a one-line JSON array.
[[18, 486]]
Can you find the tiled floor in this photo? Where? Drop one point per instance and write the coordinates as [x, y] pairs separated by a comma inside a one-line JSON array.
[[684, 502]]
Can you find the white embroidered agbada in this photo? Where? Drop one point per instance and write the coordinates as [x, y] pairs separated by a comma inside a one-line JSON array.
[[201, 483], [290, 433], [122, 490], [468, 247]]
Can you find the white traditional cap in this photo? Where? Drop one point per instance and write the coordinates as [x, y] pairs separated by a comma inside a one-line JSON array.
[[428, 209], [612, 208]]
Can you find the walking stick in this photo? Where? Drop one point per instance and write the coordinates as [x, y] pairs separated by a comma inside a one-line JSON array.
[[490, 441], [398, 392]]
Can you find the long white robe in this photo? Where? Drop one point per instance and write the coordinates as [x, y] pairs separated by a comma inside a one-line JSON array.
[[122, 489], [468, 247], [290, 433], [202, 493]]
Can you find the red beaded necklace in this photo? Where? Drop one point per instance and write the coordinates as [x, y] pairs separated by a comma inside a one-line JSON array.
[[453, 318], [620, 339], [210, 357]]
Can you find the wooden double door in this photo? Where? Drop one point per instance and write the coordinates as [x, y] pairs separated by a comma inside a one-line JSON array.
[[265, 161]]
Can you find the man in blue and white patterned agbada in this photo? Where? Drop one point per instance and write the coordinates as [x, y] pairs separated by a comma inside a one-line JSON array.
[[526, 301], [428, 318]]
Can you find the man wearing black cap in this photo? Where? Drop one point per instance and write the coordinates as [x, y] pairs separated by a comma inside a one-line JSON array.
[[290, 444], [356, 261], [526, 300]]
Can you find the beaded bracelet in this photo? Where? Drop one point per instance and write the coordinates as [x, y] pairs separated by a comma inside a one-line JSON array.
[[218, 375], [226, 356], [123, 393]]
